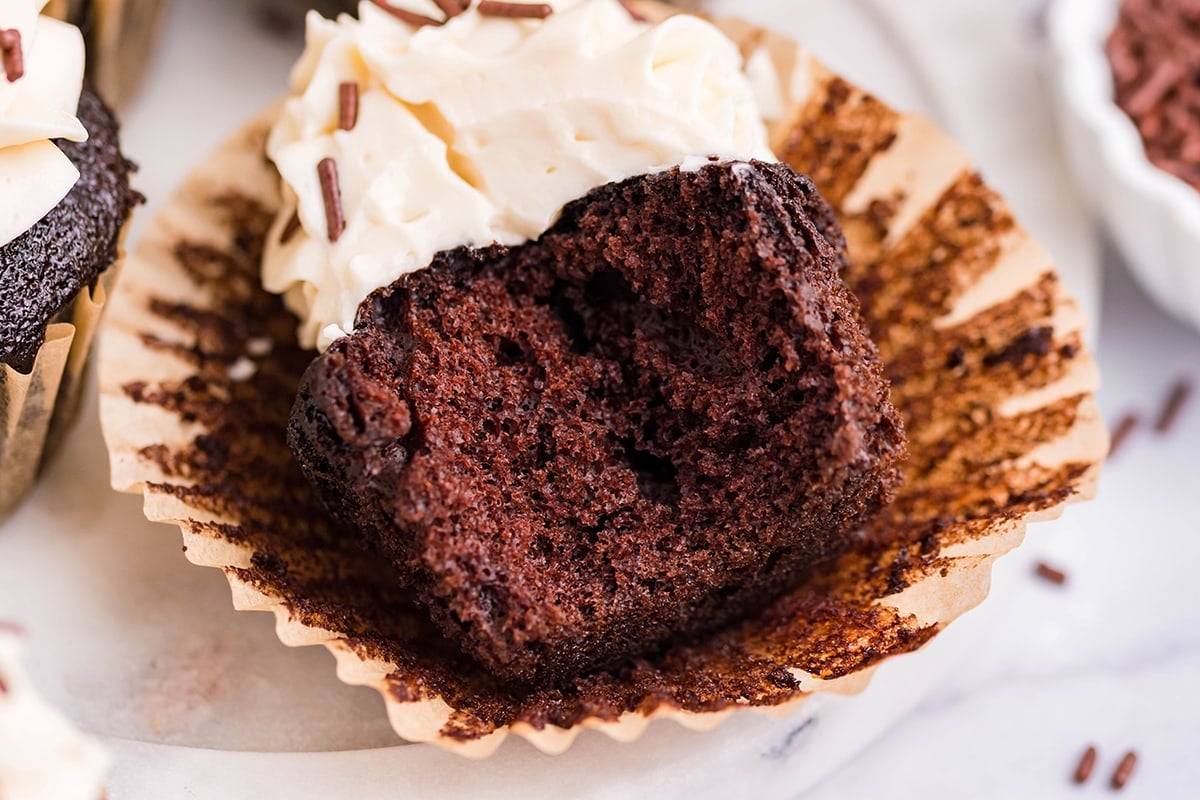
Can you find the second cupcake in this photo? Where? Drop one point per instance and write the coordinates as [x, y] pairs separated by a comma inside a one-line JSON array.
[[64, 201]]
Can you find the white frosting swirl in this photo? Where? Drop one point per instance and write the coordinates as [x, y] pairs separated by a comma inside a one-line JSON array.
[[480, 131], [34, 174], [42, 757]]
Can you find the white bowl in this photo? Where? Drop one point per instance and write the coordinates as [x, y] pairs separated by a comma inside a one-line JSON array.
[[1153, 216]]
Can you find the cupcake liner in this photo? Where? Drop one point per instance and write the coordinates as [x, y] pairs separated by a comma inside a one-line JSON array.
[[37, 409], [200, 366]]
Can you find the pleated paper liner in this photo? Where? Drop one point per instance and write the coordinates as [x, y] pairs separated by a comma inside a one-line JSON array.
[[37, 409], [983, 347]]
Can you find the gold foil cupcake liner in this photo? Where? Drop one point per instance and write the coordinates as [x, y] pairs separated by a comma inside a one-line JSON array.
[[200, 366], [37, 409]]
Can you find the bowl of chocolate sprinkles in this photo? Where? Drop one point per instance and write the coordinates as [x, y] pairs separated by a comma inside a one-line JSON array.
[[1128, 84]]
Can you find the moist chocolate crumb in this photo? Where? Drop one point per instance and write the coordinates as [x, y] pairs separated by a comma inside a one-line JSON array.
[[42, 270], [651, 421]]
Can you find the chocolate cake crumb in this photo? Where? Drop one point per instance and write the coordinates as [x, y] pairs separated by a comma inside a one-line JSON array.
[[653, 420]]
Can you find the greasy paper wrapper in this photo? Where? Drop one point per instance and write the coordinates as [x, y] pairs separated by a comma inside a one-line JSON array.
[[37, 409], [984, 349]]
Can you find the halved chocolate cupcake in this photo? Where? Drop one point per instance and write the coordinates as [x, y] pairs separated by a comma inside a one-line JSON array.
[[62, 212], [651, 421], [202, 369]]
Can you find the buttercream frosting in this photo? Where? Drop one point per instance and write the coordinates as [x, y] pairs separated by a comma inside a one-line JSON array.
[[480, 131], [35, 109]]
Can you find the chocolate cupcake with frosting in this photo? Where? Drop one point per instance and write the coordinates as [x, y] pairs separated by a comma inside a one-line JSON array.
[[64, 204], [42, 755], [514, 359]]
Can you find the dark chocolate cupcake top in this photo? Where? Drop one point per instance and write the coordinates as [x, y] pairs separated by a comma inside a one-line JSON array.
[[43, 269]]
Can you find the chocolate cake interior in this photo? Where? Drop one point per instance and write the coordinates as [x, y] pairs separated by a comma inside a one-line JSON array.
[[656, 418]]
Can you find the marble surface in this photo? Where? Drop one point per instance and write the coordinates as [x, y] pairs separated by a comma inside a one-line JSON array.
[[1112, 658]]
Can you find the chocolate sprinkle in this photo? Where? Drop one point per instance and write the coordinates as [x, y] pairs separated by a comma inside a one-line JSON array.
[[1124, 428], [1124, 770], [452, 8], [412, 18], [1049, 573], [1086, 764], [492, 8], [1176, 401], [14, 56], [3, 686], [331, 191], [241, 471], [347, 105], [1155, 58], [291, 228]]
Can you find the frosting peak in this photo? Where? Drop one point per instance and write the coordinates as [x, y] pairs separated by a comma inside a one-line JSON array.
[[480, 131], [35, 108]]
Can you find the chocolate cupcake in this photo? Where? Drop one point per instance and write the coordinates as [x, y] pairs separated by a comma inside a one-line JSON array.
[[588, 387], [120, 40], [65, 205]]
